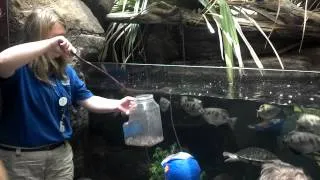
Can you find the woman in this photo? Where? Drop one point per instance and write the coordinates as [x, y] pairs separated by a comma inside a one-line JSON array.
[[38, 87]]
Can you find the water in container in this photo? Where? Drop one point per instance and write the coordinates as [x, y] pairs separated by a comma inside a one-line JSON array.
[[144, 127]]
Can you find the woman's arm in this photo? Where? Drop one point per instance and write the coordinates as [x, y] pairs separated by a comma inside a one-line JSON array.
[[103, 105], [19, 55]]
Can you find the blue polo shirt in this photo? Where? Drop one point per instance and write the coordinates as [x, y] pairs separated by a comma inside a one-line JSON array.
[[31, 113]]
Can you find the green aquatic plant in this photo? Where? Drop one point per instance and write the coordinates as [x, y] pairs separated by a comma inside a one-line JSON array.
[[156, 171], [203, 175], [228, 30], [123, 35], [123, 39], [123, 6], [229, 42]]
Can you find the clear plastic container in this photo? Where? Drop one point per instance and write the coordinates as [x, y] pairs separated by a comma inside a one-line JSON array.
[[144, 127]]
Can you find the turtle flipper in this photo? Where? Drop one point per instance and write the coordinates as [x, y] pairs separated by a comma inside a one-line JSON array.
[[230, 157]]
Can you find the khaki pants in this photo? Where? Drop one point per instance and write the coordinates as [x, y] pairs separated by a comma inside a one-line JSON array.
[[56, 164]]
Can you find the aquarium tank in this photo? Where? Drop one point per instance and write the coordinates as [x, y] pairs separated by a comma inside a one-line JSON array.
[[231, 126]]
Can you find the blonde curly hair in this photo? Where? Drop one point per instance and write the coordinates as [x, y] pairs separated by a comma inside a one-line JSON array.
[[37, 25], [282, 171]]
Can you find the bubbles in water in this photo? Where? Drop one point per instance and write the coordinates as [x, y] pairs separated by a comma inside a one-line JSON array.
[[270, 92], [290, 96], [289, 102], [311, 99]]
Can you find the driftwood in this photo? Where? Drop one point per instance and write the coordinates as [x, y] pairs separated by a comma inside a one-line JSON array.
[[289, 22], [289, 8], [158, 13]]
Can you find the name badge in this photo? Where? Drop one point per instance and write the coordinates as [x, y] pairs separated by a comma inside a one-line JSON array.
[[63, 101]]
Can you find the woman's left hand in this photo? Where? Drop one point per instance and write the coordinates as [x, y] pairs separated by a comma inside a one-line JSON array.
[[127, 104]]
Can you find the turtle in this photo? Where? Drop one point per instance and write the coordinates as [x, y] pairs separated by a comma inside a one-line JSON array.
[[254, 155]]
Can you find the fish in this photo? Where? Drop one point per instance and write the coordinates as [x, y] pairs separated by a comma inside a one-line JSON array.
[[302, 142], [192, 106], [300, 109], [164, 104], [308, 123], [218, 116], [268, 111]]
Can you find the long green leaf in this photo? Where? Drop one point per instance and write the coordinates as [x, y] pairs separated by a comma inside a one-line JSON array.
[[264, 35], [211, 29], [305, 18], [115, 29], [136, 6], [115, 41], [251, 50], [226, 37], [217, 19], [228, 25], [124, 5]]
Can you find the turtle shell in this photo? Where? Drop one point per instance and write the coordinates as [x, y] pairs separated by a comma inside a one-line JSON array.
[[256, 154]]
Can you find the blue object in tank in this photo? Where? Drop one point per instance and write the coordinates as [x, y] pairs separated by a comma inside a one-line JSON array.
[[132, 128], [181, 166], [273, 125]]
